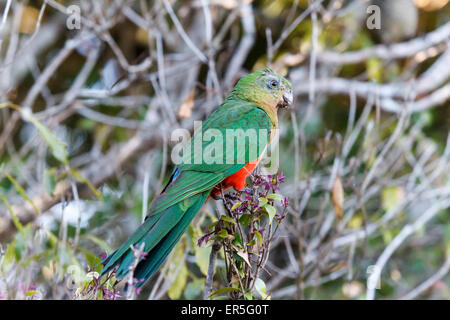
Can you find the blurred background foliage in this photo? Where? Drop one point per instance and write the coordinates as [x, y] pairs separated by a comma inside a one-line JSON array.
[[86, 117]]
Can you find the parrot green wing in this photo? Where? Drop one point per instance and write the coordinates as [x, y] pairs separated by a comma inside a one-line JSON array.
[[236, 117]]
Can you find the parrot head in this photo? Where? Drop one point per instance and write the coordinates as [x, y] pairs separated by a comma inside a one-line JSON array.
[[265, 88]]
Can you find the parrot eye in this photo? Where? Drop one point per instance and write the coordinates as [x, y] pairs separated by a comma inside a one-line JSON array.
[[272, 84]]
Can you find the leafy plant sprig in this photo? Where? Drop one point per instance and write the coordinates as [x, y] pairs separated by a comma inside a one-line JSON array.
[[245, 233]]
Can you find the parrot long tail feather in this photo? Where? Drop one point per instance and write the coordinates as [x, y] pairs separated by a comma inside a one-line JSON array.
[[159, 234]]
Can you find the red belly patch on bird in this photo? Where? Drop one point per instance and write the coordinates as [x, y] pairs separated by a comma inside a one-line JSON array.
[[236, 180]]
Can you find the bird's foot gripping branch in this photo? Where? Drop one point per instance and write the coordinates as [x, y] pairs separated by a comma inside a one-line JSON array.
[[242, 238]]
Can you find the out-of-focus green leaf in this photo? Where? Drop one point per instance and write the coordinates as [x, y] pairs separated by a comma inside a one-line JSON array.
[[391, 196], [179, 279], [374, 69], [49, 181], [14, 218], [36, 257], [177, 287], [92, 259], [31, 292], [59, 148], [21, 191], [212, 225], [202, 258], [22, 241], [194, 289], [102, 244], [84, 180], [9, 257]]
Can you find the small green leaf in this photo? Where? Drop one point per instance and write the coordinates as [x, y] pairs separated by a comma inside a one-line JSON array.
[[49, 181], [260, 287], [57, 146], [194, 289], [223, 290], [84, 180], [262, 201], [249, 296], [202, 258], [245, 219], [274, 196], [36, 257], [212, 225], [259, 237], [374, 69], [14, 218], [9, 257], [391, 196], [101, 243], [228, 219], [237, 240], [31, 292], [271, 211], [223, 233], [235, 206], [179, 279], [179, 283], [21, 191]]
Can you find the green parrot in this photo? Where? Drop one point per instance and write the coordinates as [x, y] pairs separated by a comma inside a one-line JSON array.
[[251, 105]]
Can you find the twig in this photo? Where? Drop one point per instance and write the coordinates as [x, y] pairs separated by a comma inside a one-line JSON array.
[[441, 273], [407, 231], [183, 33], [211, 268], [389, 52]]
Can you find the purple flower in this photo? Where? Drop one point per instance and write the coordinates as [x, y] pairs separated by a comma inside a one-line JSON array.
[[280, 178], [279, 217], [267, 185], [204, 238], [257, 180], [247, 195], [110, 294]]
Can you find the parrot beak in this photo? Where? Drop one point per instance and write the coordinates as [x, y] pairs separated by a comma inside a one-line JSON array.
[[288, 98]]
